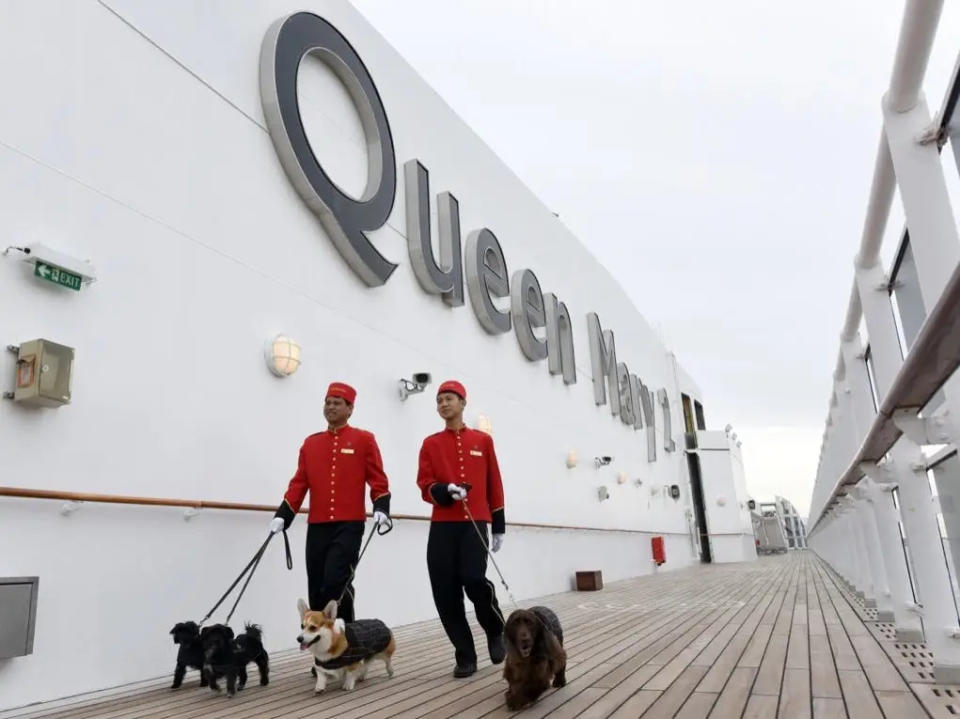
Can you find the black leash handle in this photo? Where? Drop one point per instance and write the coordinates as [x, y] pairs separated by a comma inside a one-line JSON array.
[[381, 529], [244, 587], [286, 546], [248, 571]]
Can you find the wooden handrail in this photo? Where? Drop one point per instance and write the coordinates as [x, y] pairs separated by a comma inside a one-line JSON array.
[[24, 493], [123, 499]]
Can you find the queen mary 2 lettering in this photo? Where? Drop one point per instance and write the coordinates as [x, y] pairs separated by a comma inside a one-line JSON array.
[[540, 321]]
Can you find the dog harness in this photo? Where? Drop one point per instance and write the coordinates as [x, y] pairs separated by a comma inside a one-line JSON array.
[[365, 637]]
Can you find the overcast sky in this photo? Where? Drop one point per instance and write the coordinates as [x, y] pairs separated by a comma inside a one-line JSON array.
[[715, 156]]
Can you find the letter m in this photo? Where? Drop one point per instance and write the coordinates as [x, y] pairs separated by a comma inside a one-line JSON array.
[[603, 361]]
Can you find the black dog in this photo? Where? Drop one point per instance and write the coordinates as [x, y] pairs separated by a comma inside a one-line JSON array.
[[190, 654], [226, 656], [248, 647], [535, 655]]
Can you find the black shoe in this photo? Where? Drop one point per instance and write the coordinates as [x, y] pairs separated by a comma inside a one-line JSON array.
[[497, 651], [464, 670]]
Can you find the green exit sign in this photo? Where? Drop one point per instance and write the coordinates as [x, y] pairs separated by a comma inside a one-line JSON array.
[[57, 275]]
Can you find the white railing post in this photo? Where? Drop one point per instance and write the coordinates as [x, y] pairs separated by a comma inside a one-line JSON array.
[[844, 549], [917, 508], [880, 592], [947, 476], [824, 536], [864, 576], [909, 471], [860, 565], [886, 520], [935, 246]]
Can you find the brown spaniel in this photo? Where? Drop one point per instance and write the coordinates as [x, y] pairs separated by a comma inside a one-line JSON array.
[[535, 655]]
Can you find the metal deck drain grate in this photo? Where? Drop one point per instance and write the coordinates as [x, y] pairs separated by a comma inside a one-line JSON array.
[[884, 631], [942, 702], [913, 659]]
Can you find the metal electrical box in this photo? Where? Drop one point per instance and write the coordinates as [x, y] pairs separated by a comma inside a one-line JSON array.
[[18, 615], [43, 373]]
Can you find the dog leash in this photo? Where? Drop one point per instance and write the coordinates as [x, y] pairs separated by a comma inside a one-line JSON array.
[[248, 572], [379, 529], [483, 541]]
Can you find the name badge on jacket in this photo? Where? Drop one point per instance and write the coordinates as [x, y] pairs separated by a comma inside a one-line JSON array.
[[476, 453], [346, 450]]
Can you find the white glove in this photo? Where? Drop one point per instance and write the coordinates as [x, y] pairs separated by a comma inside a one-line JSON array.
[[497, 543], [380, 518], [457, 492], [276, 525]]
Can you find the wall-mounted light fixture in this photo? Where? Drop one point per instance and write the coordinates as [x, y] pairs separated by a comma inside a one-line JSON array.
[[751, 504], [675, 491], [603, 493], [572, 459], [602, 461], [721, 501], [484, 424], [282, 355], [415, 384], [622, 478]]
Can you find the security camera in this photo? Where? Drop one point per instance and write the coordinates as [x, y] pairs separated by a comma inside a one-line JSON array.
[[602, 461], [408, 387]]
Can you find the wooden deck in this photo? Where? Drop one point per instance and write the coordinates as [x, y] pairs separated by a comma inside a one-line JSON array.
[[778, 637]]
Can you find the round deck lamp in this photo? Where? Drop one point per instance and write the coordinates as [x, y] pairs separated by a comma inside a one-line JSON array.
[[282, 355]]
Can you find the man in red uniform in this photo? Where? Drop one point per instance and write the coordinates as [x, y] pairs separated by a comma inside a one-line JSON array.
[[334, 466], [459, 467]]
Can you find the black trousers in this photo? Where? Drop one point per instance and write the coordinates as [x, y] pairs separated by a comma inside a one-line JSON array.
[[457, 562], [332, 551]]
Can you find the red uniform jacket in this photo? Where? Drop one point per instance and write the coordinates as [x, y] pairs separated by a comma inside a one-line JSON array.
[[334, 466], [465, 456]]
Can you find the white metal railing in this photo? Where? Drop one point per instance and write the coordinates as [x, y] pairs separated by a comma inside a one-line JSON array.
[[881, 425], [913, 53]]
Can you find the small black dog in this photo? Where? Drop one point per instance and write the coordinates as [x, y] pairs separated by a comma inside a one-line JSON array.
[[190, 654], [248, 647], [226, 656]]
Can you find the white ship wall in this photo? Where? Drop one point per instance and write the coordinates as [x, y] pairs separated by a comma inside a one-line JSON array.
[[132, 135]]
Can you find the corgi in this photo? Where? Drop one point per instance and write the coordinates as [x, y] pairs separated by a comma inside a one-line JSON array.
[[341, 650]]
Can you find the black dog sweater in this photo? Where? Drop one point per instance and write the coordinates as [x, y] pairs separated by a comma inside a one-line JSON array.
[[365, 637]]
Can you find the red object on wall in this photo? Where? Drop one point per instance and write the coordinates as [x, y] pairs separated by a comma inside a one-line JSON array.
[[659, 554]]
